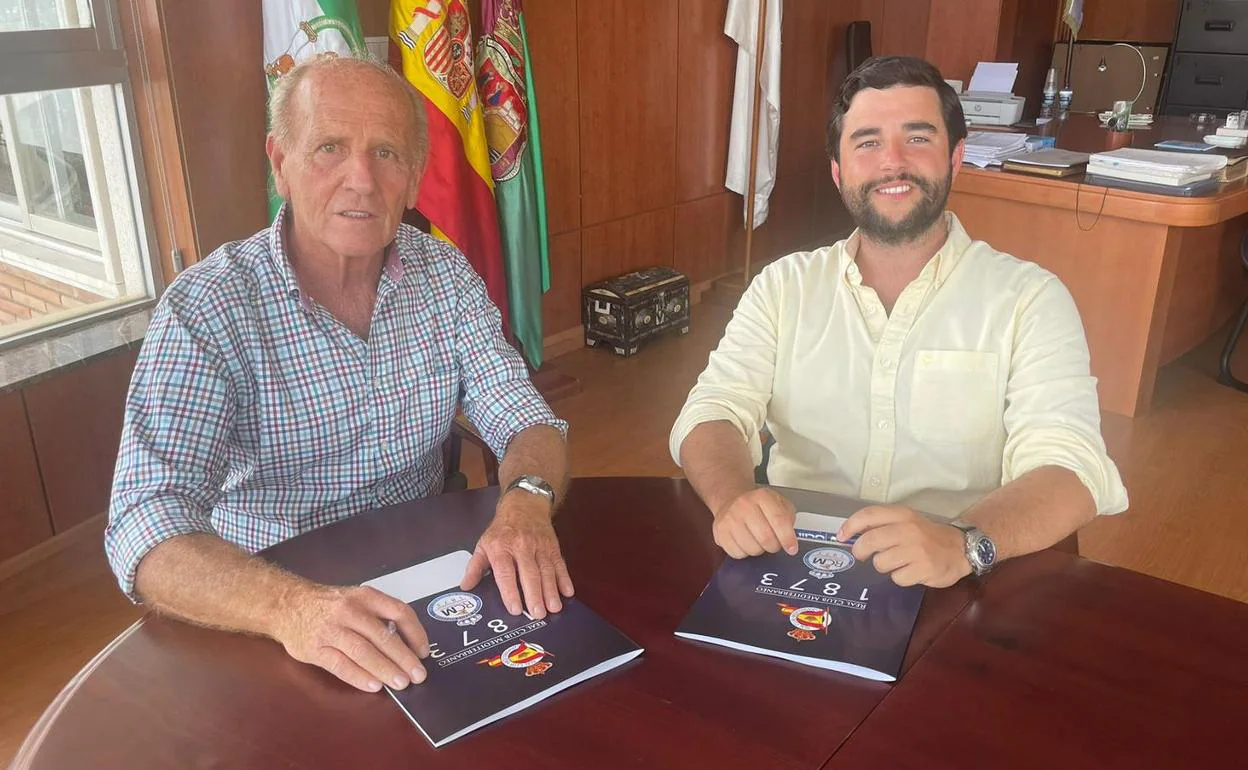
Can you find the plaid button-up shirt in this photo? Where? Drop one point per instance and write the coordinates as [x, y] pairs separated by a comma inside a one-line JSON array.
[[256, 415]]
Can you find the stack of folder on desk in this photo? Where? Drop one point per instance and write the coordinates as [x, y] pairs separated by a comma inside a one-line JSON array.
[[1048, 162], [1174, 169], [990, 148]]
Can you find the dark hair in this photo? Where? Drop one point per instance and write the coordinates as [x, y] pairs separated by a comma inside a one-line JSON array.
[[885, 72]]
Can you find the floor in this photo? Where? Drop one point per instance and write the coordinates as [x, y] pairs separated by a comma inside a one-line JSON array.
[[1185, 466]]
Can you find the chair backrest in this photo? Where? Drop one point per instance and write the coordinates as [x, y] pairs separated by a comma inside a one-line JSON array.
[[857, 44]]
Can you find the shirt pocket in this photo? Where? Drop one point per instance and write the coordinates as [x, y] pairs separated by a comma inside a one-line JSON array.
[[953, 397]]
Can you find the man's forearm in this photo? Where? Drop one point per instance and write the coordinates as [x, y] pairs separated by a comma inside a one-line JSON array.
[[717, 463], [208, 581], [1033, 512], [539, 451]]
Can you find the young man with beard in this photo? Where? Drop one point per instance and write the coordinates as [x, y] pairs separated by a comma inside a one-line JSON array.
[[908, 366]]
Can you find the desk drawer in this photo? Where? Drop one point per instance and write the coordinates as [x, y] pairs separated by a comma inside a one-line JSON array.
[[1216, 81], [1213, 26]]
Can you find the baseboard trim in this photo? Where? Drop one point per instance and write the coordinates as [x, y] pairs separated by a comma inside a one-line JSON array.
[[92, 527], [563, 343]]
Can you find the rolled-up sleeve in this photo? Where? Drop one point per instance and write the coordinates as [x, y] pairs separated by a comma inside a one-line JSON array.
[[498, 398], [172, 460], [1052, 415], [737, 384]]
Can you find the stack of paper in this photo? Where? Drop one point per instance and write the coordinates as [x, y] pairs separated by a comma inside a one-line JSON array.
[[1155, 166], [989, 148]]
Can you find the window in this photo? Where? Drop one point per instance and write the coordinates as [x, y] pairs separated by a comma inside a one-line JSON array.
[[74, 240]]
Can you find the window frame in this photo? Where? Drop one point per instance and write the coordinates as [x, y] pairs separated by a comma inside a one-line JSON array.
[[75, 58]]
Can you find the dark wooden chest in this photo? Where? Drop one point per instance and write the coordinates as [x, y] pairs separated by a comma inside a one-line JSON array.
[[623, 311]]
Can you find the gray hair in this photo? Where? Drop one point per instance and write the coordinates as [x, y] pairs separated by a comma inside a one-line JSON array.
[[282, 117]]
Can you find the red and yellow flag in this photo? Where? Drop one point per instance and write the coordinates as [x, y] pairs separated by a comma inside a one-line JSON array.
[[434, 42]]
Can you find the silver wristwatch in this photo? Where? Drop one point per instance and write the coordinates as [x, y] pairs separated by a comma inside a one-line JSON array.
[[534, 485], [980, 551]]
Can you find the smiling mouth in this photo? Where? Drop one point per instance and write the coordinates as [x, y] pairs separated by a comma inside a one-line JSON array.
[[355, 214], [900, 188]]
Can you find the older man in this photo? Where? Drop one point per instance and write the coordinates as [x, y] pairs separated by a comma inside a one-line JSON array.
[[908, 366], [311, 372]]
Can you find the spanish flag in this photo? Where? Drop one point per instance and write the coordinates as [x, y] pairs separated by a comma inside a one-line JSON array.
[[434, 42]]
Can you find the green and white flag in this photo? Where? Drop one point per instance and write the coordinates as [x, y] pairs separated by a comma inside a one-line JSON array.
[[505, 85], [297, 30]]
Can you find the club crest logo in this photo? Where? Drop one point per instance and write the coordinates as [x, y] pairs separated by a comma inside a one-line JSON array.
[[806, 621], [458, 607], [826, 562], [530, 656]]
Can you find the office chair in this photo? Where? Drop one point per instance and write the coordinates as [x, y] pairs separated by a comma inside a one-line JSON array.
[[454, 479], [1224, 370], [857, 44]]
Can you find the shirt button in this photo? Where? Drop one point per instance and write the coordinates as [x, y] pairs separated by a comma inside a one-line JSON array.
[[875, 481], [883, 424], [887, 363]]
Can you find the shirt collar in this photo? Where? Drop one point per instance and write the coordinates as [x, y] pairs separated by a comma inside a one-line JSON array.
[[939, 267], [393, 265]]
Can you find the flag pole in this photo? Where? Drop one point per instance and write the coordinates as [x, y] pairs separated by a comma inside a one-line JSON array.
[[759, 43]]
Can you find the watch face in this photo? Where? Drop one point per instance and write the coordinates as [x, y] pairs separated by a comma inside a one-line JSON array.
[[986, 552]]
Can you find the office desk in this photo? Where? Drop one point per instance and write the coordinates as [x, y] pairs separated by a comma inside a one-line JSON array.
[[1152, 275], [1038, 647]]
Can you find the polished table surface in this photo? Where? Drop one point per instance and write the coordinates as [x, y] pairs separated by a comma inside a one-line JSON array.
[[1051, 661]]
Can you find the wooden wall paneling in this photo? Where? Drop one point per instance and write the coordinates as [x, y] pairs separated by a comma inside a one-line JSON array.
[[626, 51], [552, 28], [961, 33], [219, 93], [904, 28], [705, 77], [807, 28], [703, 227], [1026, 37], [790, 222], [1137, 21], [75, 419], [616, 247], [375, 17], [831, 220], [24, 520], [874, 12], [158, 140], [561, 306]]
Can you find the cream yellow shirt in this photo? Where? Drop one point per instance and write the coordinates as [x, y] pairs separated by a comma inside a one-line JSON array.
[[979, 375]]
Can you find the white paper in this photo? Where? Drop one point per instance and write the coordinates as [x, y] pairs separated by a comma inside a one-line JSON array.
[[994, 77], [831, 665], [424, 579], [818, 522]]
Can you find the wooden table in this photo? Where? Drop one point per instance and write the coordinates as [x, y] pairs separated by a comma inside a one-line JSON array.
[[1050, 643], [1152, 275]]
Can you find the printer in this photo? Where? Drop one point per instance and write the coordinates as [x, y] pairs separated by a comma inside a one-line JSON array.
[[990, 108]]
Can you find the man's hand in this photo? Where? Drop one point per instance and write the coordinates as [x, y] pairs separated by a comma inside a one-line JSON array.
[[358, 634], [520, 546], [756, 521], [907, 546]]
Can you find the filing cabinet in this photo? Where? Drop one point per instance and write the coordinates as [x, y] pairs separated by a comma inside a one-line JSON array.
[[1209, 67]]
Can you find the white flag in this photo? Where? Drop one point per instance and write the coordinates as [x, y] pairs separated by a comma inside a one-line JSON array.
[[297, 30], [741, 25]]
